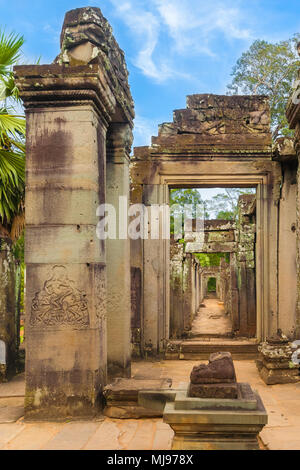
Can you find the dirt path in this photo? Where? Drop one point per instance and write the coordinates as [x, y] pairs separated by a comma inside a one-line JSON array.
[[211, 319]]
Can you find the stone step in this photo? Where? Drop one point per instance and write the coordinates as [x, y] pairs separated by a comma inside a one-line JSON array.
[[201, 349]]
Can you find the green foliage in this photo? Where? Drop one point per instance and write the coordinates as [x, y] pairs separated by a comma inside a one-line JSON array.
[[10, 51], [18, 248], [226, 215], [185, 197], [225, 205], [12, 135], [212, 284], [269, 69], [211, 259]]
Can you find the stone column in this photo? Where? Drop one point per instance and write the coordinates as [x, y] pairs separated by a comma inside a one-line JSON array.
[[156, 278], [246, 265], [136, 267], [119, 140], [197, 288], [69, 107], [176, 294], [8, 326], [66, 278], [234, 293], [293, 116], [188, 291]]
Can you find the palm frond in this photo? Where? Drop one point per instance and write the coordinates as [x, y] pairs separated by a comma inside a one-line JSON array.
[[8, 88], [12, 163], [10, 124], [10, 50], [12, 138]]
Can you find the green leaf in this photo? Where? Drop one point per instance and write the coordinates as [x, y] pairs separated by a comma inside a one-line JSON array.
[[10, 50]]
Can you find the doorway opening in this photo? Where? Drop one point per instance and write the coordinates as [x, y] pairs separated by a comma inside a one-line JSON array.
[[212, 267]]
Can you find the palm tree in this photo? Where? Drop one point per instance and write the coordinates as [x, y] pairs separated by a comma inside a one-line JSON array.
[[12, 141], [12, 189]]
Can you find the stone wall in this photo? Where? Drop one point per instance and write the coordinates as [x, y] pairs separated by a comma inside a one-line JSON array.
[[185, 290], [245, 264]]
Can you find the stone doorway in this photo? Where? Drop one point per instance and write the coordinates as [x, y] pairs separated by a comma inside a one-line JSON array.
[[213, 271], [192, 153]]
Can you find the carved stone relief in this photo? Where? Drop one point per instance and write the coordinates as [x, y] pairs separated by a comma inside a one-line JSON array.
[[59, 302]]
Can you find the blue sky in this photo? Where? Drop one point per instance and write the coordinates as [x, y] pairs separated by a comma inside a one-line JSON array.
[[173, 47]]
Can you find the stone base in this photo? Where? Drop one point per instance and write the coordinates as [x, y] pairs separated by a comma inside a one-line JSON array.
[[278, 376], [216, 424], [59, 407], [122, 397], [130, 411], [219, 390], [274, 361], [215, 443]]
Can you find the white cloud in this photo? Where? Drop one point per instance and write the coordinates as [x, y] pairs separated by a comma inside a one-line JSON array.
[[193, 24], [144, 129], [191, 27], [146, 27]]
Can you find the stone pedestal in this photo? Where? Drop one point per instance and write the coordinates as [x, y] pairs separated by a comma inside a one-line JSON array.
[[213, 420], [216, 424], [275, 362]]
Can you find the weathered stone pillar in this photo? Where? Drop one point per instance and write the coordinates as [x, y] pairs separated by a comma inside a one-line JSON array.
[[287, 268], [176, 290], [65, 324], [119, 141], [293, 116], [8, 327], [246, 265], [189, 291], [69, 106], [197, 287], [136, 267], [234, 293], [156, 253]]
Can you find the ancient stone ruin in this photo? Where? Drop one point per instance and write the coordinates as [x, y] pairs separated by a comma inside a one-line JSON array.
[[92, 304]]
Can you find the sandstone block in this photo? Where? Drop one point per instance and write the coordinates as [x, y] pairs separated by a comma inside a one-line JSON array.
[[224, 390], [220, 369]]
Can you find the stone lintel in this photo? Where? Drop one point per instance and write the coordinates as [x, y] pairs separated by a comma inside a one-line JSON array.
[[43, 86], [226, 145], [212, 247]]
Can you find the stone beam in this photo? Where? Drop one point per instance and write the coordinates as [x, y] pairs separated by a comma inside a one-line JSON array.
[[212, 247]]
